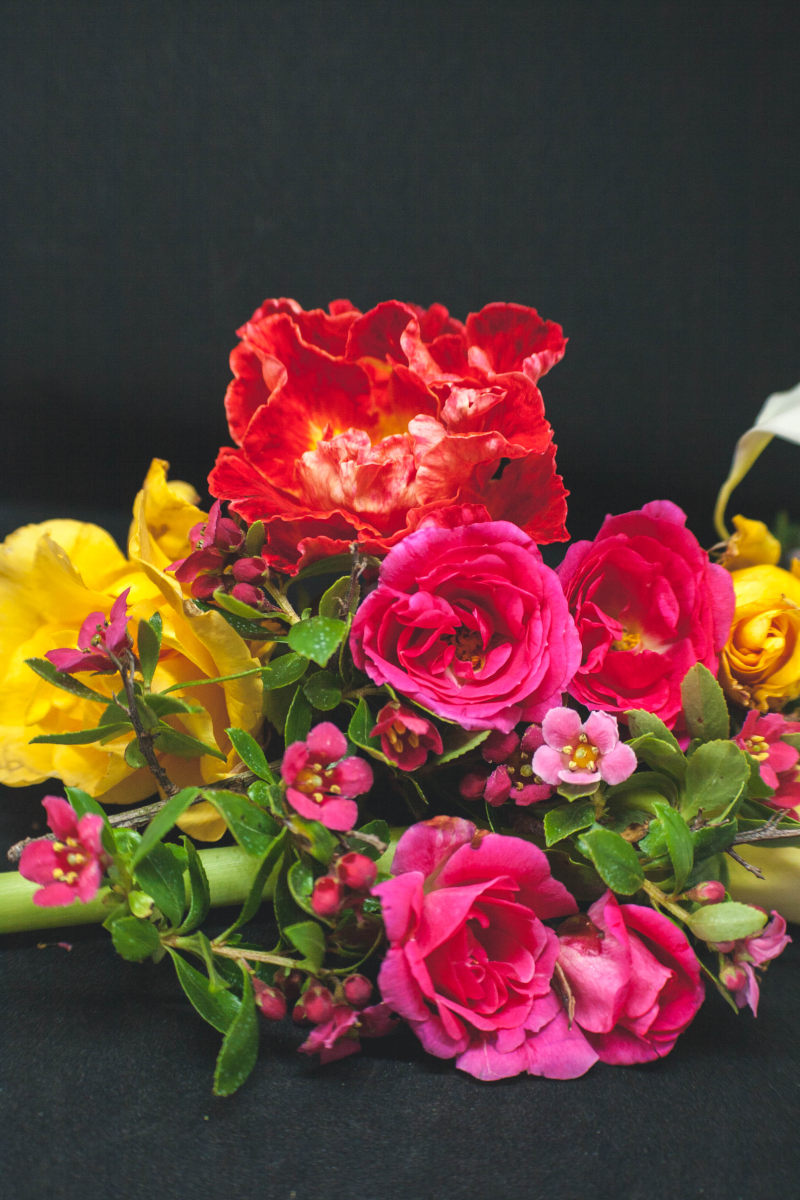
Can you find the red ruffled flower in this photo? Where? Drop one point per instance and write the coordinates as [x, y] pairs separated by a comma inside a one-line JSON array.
[[355, 427]]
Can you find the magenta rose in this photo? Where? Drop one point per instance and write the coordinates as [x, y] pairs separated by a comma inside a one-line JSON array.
[[470, 962], [648, 606], [634, 978], [469, 623]]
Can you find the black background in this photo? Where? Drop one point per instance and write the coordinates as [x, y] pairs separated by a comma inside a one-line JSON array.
[[628, 168]]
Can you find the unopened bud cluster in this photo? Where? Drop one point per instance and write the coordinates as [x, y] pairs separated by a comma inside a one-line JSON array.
[[226, 557], [346, 887]]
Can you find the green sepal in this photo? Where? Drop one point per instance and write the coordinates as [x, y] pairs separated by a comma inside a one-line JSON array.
[[640, 721], [135, 940], [250, 753], [160, 874], [199, 889], [283, 671], [560, 822], [332, 601], [171, 741], [704, 705], [163, 821], [726, 922], [323, 690], [317, 638], [298, 719], [254, 539], [614, 859], [60, 679], [252, 828], [308, 938], [218, 1008], [716, 776], [679, 842], [148, 645]]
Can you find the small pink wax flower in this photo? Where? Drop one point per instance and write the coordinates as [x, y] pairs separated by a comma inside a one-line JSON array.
[[582, 753], [70, 868], [101, 641], [406, 736], [513, 776], [339, 1035], [777, 761], [738, 972], [321, 782]]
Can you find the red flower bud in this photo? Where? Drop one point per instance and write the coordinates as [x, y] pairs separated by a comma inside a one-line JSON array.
[[733, 977], [356, 871], [710, 892], [326, 899], [204, 586], [271, 1002], [357, 990], [248, 594], [247, 570], [317, 1003]]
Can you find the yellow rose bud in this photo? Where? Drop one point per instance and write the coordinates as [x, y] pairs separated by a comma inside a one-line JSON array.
[[51, 576], [750, 545], [760, 664]]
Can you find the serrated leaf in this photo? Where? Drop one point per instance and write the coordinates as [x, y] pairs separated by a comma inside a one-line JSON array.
[[67, 683], [148, 644], [317, 638], [298, 719], [459, 743], [160, 874], [640, 721], [561, 822], [614, 859], [726, 922], [323, 690], [83, 803], [250, 825], [283, 671], [163, 821], [660, 756], [218, 1008], [250, 753], [135, 940], [308, 938], [83, 737], [171, 741], [333, 601], [704, 705], [679, 840], [300, 879], [716, 776]]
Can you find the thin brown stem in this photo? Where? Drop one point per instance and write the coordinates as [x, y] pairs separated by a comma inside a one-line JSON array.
[[143, 738]]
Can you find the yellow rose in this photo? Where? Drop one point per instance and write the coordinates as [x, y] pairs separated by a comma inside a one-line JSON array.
[[751, 544], [760, 665], [51, 576]]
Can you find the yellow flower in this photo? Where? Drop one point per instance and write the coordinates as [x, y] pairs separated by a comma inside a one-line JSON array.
[[51, 576], [760, 665], [750, 545]]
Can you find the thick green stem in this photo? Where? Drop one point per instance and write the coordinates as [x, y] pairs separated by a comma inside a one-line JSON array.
[[230, 874]]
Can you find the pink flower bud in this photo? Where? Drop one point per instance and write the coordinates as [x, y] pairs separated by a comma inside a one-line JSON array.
[[289, 982], [247, 570], [318, 1004], [326, 899], [204, 586], [733, 977], [710, 892], [356, 871], [271, 1001], [357, 990], [248, 594]]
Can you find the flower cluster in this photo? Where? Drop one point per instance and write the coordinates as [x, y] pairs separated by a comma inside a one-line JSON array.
[[359, 641]]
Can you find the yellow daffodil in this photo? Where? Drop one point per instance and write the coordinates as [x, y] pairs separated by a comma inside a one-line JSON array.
[[760, 664], [751, 545], [51, 576]]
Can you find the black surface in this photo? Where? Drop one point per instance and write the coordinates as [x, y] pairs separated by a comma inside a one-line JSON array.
[[631, 170]]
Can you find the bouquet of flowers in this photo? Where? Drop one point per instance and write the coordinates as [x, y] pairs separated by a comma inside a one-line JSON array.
[[459, 789]]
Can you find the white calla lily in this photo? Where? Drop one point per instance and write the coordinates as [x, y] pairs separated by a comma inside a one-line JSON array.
[[779, 417]]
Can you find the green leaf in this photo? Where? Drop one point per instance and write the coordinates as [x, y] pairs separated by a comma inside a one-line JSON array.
[[458, 743], [162, 705], [287, 911], [135, 940], [218, 1008], [710, 840], [318, 841], [255, 896], [308, 938], [614, 859], [239, 1051], [361, 725], [300, 879], [250, 631], [323, 690], [716, 777], [82, 737], [333, 601], [170, 741], [163, 821], [726, 922], [377, 829], [561, 822], [704, 705], [268, 796], [660, 756], [160, 874], [237, 607], [43, 667], [679, 840], [280, 672], [83, 803], [133, 755], [199, 890], [298, 719], [641, 792], [640, 721], [148, 643], [253, 828], [250, 753], [254, 539], [756, 788], [317, 638]]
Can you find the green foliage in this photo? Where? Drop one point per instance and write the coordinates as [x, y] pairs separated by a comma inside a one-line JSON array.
[[704, 705], [83, 803], [333, 600], [199, 890], [171, 741], [135, 940], [323, 690], [298, 719], [83, 737], [716, 776], [253, 828], [218, 1008], [252, 901], [726, 922], [640, 722], [373, 829], [660, 756], [300, 878], [43, 667], [614, 859], [314, 838], [239, 1050], [308, 938], [148, 643], [160, 874], [163, 821], [561, 822], [457, 743], [250, 753], [317, 638], [282, 671], [679, 842]]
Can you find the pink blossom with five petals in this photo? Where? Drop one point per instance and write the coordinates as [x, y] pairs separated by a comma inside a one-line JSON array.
[[71, 867], [102, 640], [582, 753], [321, 782]]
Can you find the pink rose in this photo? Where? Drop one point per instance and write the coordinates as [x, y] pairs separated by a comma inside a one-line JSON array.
[[469, 623], [648, 606], [634, 978], [470, 962]]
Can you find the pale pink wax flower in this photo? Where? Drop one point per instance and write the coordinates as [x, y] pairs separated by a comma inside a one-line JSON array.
[[738, 973], [513, 776], [321, 782], [761, 736], [340, 1034], [406, 736], [70, 868], [101, 640], [582, 753]]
